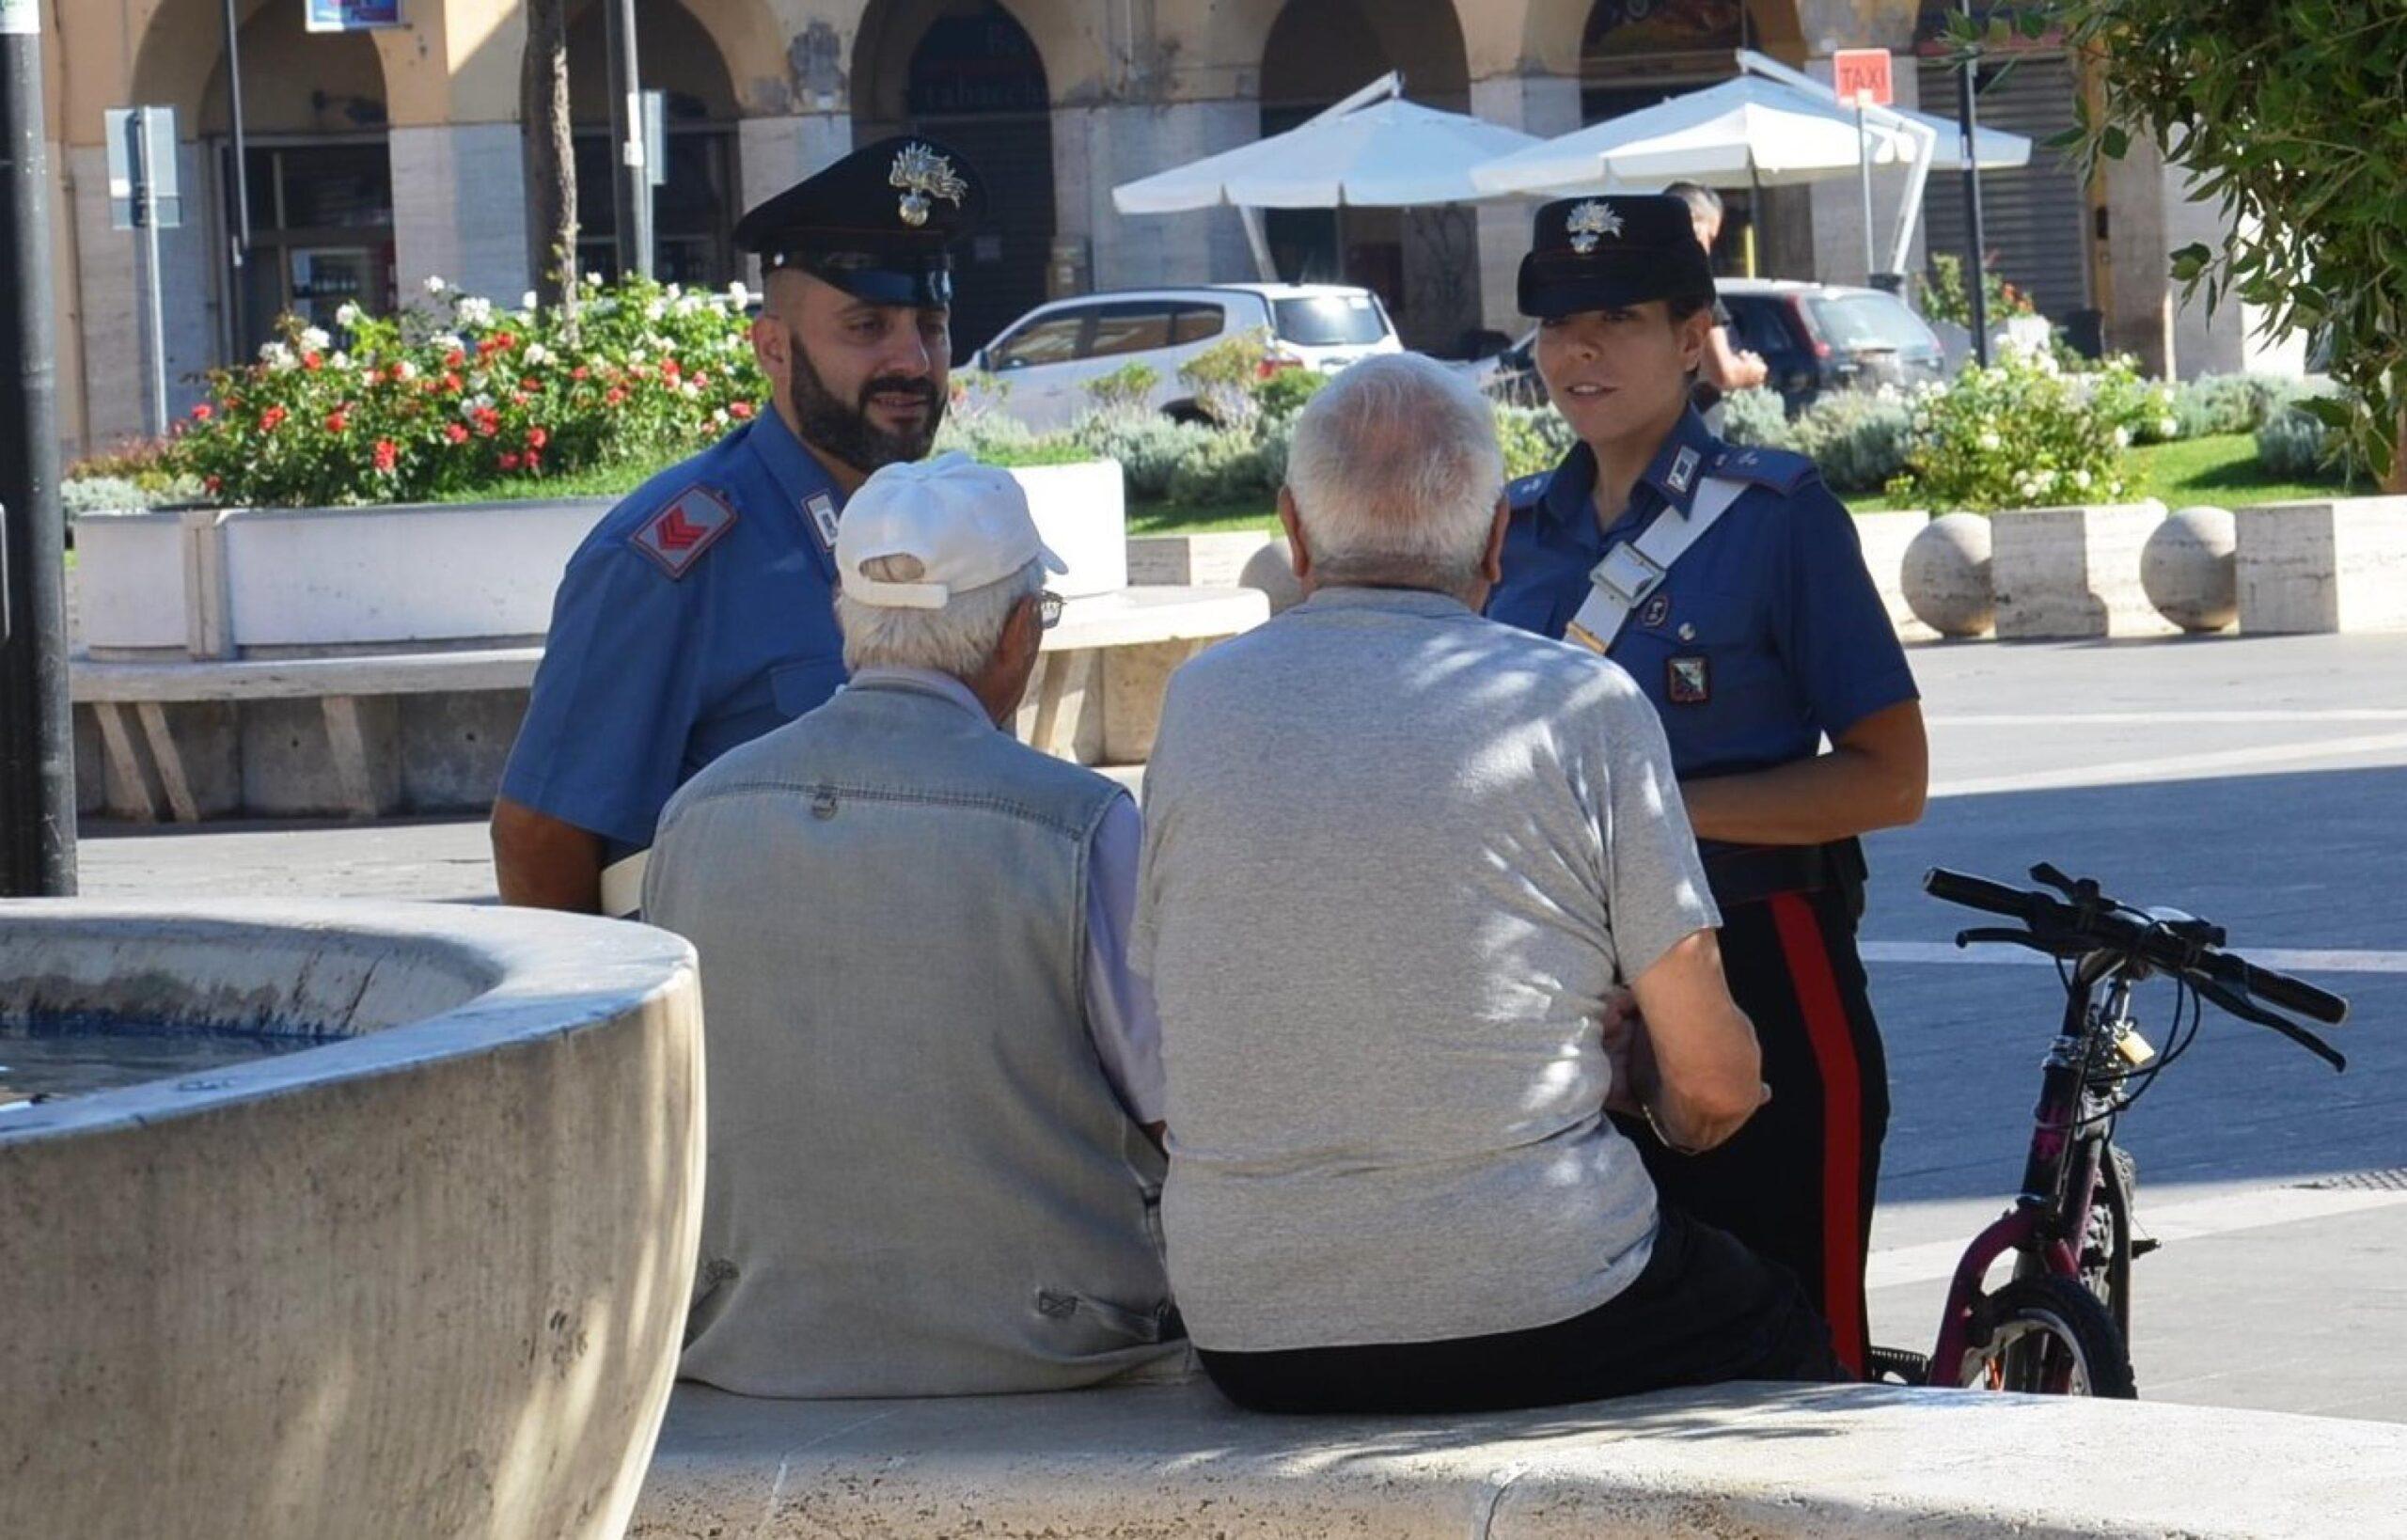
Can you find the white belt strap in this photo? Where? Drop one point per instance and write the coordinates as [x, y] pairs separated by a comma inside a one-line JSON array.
[[622, 885], [1634, 568]]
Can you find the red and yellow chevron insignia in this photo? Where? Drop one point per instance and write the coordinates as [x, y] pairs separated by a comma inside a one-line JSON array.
[[680, 533]]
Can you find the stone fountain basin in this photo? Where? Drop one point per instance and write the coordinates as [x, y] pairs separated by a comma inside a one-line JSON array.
[[426, 1279]]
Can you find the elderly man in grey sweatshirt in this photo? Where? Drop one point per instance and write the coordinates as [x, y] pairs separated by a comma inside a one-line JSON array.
[[1405, 872]]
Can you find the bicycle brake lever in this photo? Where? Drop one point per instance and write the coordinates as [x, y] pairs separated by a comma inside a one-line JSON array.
[[2237, 1005], [2047, 873]]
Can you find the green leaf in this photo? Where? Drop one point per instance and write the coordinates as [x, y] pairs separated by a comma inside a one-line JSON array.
[[2114, 142], [2191, 260]]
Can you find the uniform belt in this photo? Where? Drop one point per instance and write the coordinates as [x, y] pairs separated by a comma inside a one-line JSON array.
[[1750, 873]]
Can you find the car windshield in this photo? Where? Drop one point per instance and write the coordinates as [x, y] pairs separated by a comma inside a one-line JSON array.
[[1871, 321], [1330, 321]]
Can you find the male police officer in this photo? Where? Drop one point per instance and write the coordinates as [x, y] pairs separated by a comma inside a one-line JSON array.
[[698, 613]]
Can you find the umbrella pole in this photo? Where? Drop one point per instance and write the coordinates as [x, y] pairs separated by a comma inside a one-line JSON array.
[[1251, 217]]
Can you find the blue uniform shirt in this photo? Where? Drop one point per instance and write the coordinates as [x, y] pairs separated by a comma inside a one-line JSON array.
[[698, 614], [1765, 636]]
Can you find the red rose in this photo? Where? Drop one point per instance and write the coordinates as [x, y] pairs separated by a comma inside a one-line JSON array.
[[530, 385], [613, 396], [534, 461], [203, 412], [271, 419], [456, 433], [509, 461], [579, 373], [337, 422], [454, 359], [387, 454], [311, 361], [701, 376], [538, 437], [214, 484], [741, 411], [669, 368]]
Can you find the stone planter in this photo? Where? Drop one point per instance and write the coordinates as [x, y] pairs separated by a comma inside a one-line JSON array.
[[2066, 572], [2323, 566], [428, 1279], [285, 582]]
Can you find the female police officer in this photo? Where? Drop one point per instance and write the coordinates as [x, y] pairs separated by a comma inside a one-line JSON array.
[[1730, 585]]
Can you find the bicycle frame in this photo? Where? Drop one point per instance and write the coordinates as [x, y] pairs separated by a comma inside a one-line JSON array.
[[2060, 1174]]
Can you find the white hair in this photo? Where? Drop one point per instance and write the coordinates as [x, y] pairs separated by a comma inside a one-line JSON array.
[[958, 639], [1396, 473]]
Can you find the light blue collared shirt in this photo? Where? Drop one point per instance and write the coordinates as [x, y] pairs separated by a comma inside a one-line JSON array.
[[1120, 1007]]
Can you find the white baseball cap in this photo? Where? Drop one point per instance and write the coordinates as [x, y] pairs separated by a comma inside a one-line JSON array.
[[968, 524]]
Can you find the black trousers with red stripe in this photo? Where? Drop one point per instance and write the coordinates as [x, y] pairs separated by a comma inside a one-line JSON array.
[[1796, 1183]]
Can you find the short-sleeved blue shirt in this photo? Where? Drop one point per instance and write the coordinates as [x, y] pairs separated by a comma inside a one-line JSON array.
[[1766, 635], [698, 614]]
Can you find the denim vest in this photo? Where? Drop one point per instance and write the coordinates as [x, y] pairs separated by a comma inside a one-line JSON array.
[[921, 1182]]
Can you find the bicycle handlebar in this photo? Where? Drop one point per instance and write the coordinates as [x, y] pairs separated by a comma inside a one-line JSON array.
[[2094, 921]]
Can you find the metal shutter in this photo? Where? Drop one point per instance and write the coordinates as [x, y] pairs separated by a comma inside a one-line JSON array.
[[2032, 216]]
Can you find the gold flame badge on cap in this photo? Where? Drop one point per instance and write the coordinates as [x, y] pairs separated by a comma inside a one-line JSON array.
[[1589, 223], [923, 175]]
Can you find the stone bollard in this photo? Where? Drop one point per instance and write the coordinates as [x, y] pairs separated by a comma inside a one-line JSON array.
[[1272, 570], [1946, 577], [2189, 569]]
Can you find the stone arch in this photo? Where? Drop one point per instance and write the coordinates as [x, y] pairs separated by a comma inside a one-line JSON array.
[[753, 53], [974, 75], [695, 207], [1421, 263]]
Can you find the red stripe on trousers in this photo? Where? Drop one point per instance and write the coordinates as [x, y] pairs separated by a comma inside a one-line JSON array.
[[1834, 1042]]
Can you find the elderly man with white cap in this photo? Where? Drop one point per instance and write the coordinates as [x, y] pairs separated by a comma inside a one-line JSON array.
[[930, 1072]]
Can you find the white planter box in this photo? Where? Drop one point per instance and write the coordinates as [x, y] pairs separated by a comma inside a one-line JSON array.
[[2074, 572], [2323, 566], [289, 580]]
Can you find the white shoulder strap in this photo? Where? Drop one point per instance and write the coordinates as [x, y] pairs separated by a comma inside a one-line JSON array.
[[1634, 568]]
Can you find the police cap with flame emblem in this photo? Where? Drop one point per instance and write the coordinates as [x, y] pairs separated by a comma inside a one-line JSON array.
[[1610, 251], [876, 224]]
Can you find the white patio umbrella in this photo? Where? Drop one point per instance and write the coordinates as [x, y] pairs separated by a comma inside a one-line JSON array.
[[1373, 149], [1745, 129]]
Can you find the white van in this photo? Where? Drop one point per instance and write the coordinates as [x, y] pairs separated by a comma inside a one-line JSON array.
[[1049, 354]]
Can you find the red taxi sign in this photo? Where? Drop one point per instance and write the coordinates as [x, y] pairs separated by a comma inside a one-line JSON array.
[[1861, 76]]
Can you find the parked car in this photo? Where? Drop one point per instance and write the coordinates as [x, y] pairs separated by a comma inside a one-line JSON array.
[[1049, 354], [1814, 337]]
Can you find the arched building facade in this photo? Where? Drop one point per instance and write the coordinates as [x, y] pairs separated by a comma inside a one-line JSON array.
[[379, 159]]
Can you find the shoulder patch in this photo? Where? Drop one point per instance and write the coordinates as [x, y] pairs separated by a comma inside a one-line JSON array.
[[1527, 492], [1778, 469], [676, 537]]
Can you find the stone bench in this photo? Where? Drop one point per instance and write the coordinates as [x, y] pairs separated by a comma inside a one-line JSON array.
[[1177, 1463], [1096, 697]]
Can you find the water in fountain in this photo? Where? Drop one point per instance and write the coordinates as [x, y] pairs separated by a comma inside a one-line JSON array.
[[44, 1060]]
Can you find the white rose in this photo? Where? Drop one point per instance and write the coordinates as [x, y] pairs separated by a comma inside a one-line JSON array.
[[314, 339], [347, 314], [692, 387], [2166, 427], [527, 301], [654, 309], [537, 353], [738, 295], [1988, 441], [475, 311], [277, 356], [434, 284], [407, 370], [2080, 481], [2122, 438], [340, 360]]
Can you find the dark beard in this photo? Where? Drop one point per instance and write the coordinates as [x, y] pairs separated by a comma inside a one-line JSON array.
[[843, 429]]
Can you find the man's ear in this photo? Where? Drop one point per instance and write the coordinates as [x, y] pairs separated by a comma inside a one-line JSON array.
[[1294, 527], [1491, 564]]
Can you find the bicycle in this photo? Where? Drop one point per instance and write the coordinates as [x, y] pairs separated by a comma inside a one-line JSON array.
[[2060, 1324]]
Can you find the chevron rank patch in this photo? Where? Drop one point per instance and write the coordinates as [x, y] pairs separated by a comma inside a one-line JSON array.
[[680, 533]]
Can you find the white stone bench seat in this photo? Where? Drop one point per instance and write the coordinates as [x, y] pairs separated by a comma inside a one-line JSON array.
[[1177, 1463], [1162, 620]]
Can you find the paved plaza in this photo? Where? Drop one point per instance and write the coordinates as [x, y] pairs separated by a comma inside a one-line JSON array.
[[2261, 783]]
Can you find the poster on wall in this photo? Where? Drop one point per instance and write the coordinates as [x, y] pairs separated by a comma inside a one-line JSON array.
[[352, 15]]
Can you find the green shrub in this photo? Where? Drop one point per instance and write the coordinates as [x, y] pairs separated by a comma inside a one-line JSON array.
[[2227, 404], [1945, 298], [2019, 433], [87, 495], [1757, 417], [1127, 390], [2297, 445], [1006, 441], [464, 393], [1222, 377], [1149, 448], [1533, 439], [1284, 392], [1225, 467], [1858, 438], [2143, 408], [1276, 435]]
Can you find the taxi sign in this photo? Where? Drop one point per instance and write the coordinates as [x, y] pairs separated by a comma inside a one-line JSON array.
[[1862, 78]]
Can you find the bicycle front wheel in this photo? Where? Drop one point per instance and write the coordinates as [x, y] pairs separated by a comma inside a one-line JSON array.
[[2048, 1336]]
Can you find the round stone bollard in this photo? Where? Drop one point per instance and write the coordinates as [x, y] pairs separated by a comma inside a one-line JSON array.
[[1272, 570], [2189, 568], [1946, 577]]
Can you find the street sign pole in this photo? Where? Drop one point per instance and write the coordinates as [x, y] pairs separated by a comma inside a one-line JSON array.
[[1977, 260], [239, 238], [1863, 175], [631, 183], [146, 204], [36, 732]]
